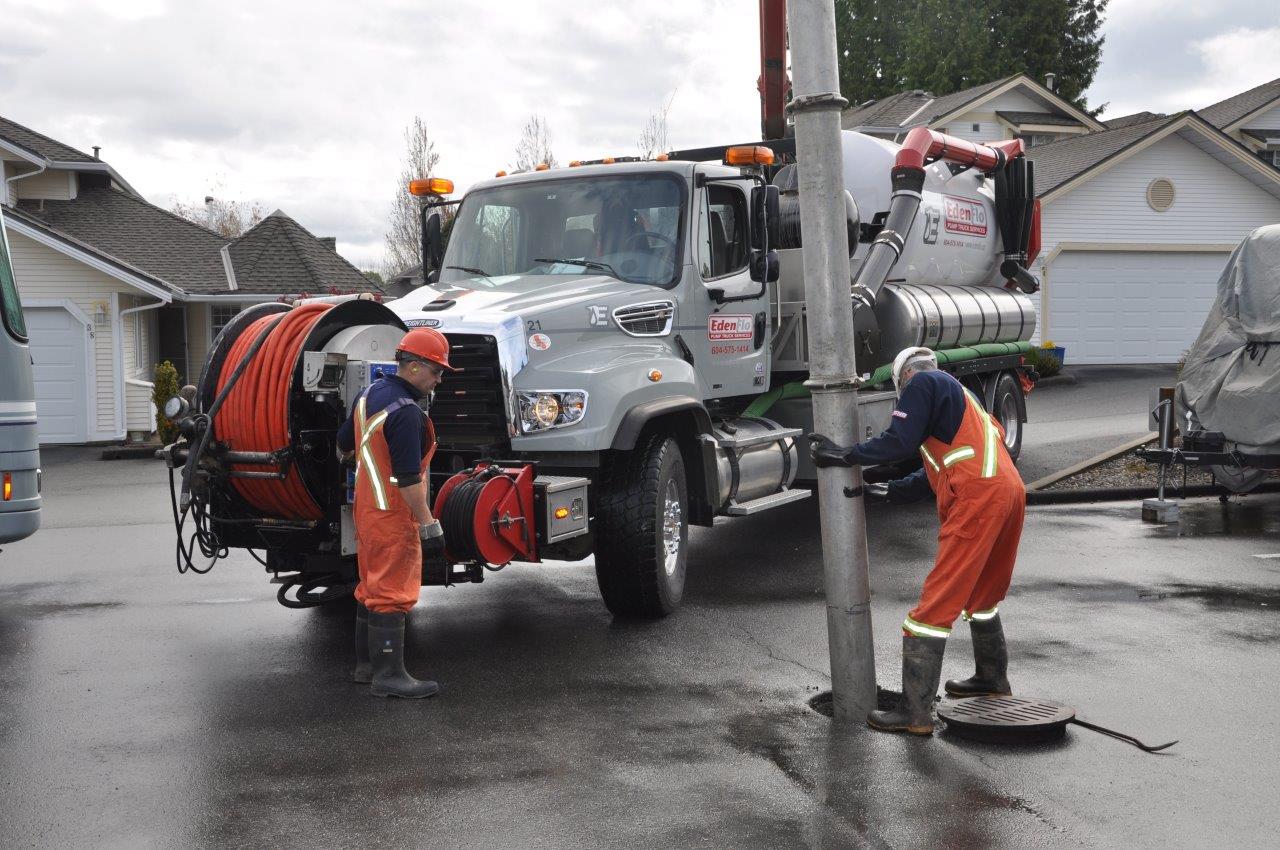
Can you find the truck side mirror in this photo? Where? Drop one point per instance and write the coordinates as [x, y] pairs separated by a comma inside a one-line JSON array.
[[765, 267], [764, 217], [432, 243]]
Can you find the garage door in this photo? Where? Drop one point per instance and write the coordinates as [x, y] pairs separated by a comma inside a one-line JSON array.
[[1130, 307], [57, 352]]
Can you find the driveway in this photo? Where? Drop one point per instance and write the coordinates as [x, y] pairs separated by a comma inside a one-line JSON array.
[[1071, 422], [139, 707]]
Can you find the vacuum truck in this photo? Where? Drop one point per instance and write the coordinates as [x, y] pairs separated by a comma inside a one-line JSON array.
[[630, 338]]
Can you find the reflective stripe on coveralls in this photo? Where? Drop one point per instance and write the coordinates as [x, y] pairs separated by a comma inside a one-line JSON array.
[[981, 506], [366, 460]]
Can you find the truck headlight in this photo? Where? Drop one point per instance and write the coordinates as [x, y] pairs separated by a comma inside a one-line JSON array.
[[542, 410]]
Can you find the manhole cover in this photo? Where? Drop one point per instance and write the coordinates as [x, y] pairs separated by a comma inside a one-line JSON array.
[[1007, 719]]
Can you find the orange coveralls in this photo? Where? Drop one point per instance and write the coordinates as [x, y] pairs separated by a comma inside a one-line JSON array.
[[981, 504], [390, 553]]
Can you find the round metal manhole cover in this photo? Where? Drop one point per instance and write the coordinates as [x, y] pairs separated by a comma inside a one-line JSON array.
[[1006, 719]]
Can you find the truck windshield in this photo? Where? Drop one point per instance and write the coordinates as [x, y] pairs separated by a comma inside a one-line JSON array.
[[626, 226]]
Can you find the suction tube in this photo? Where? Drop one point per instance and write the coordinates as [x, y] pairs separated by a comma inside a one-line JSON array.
[[907, 179]]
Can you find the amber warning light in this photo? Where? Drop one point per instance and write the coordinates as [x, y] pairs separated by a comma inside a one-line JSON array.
[[430, 186], [8, 486], [749, 155]]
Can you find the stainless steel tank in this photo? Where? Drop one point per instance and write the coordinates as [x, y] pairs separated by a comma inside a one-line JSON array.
[[942, 317], [750, 463]]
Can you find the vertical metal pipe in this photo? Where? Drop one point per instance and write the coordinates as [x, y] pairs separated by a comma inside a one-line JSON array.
[[832, 368]]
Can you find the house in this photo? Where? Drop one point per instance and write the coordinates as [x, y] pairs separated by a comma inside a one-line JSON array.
[[1137, 223], [1252, 118], [1013, 107], [1139, 213], [112, 284]]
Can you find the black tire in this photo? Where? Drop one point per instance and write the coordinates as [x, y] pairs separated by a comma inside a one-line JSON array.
[[1007, 408], [637, 574]]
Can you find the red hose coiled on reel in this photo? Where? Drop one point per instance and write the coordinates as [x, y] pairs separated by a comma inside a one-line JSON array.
[[255, 416]]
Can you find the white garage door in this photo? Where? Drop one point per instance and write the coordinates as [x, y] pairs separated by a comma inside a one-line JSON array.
[[1130, 306], [57, 352]]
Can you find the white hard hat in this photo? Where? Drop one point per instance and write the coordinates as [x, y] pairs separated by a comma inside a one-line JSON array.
[[910, 357]]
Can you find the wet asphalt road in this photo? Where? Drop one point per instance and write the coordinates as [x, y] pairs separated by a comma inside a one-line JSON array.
[[1103, 407], [143, 708]]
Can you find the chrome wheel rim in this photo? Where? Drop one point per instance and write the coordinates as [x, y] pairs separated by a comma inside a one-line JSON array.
[[672, 520], [1009, 419]]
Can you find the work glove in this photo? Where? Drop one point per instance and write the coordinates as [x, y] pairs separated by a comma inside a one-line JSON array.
[[432, 536], [825, 453], [878, 492]]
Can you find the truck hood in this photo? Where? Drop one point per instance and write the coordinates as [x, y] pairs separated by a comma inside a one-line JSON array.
[[510, 295]]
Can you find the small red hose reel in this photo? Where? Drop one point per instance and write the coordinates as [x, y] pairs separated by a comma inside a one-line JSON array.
[[488, 515]]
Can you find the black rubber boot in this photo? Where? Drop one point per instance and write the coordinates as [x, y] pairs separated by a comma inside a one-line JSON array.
[[921, 670], [386, 651], [363, 673], [991, 660]]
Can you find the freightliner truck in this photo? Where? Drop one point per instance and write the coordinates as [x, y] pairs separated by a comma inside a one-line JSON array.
[[642, 324], [632, 351]]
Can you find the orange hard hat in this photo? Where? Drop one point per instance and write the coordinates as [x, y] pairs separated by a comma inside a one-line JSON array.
[[427, 344]]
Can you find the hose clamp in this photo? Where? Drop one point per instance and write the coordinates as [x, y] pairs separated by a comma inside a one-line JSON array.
[[815, 102]]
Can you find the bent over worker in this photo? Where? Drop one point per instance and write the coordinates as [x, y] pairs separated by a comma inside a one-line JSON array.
[[393, 441], [981, 503]]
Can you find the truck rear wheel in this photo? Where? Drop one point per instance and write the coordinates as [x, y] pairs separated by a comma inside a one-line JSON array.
[[642, 530], [1007, 410]]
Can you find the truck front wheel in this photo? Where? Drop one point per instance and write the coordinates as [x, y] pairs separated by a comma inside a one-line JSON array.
[[642, 530]]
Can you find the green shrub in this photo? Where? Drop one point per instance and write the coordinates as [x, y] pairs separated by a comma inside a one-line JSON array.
[[1045, 364], [166, 387]]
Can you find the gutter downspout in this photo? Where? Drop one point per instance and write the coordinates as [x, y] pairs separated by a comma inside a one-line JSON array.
[[122, 424], [15, 178]]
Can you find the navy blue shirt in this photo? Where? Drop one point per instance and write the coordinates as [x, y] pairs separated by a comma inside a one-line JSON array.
[[405, 428], [932, 405]]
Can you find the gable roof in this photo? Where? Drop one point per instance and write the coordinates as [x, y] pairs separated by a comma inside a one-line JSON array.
[[920, 108], [181, 254], [276, 257], [1135, 118], [40, 144], [1227, 114], [279, 255], [1062, 162]]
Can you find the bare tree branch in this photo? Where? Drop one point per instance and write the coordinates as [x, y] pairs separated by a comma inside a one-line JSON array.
[[653, 138], [534, 147], [404, 229], [225, 218]]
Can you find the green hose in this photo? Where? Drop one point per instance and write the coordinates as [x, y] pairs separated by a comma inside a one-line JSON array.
[[797, 389]]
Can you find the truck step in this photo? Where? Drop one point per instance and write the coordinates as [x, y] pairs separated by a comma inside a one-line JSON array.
[[764, 503], [730, 442]]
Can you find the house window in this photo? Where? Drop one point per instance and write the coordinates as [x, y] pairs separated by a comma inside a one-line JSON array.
[[1275, 157], [977, 128], [219, 316], [1033, 139]]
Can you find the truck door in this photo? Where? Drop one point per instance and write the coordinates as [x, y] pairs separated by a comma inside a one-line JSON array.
[[733, 348]]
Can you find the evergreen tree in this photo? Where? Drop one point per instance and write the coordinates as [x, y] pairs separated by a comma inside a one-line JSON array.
[[945, 47]]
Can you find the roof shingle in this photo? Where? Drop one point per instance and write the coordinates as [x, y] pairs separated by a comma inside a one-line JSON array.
[[1227, 112], [1058, 162], [40, 144]]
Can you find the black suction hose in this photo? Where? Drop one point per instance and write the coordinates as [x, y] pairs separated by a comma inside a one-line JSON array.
[[908, 183]]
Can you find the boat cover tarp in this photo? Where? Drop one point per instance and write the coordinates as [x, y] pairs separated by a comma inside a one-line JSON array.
[[1231, 380]]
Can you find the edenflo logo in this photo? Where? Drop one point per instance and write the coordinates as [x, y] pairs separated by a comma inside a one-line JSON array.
[[730, 327], [964, 216]]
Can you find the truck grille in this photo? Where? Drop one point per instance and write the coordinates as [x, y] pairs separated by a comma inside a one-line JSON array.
[[646, 319], [468, 410]]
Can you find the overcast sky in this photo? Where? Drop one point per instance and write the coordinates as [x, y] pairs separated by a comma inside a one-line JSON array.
[[303, 106]]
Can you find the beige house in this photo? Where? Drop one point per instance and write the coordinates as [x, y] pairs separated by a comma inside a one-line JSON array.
[[1012, 107], [112, 285]]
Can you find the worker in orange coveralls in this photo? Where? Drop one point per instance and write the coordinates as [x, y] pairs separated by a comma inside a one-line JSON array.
[[981, 503], [393, 441]]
